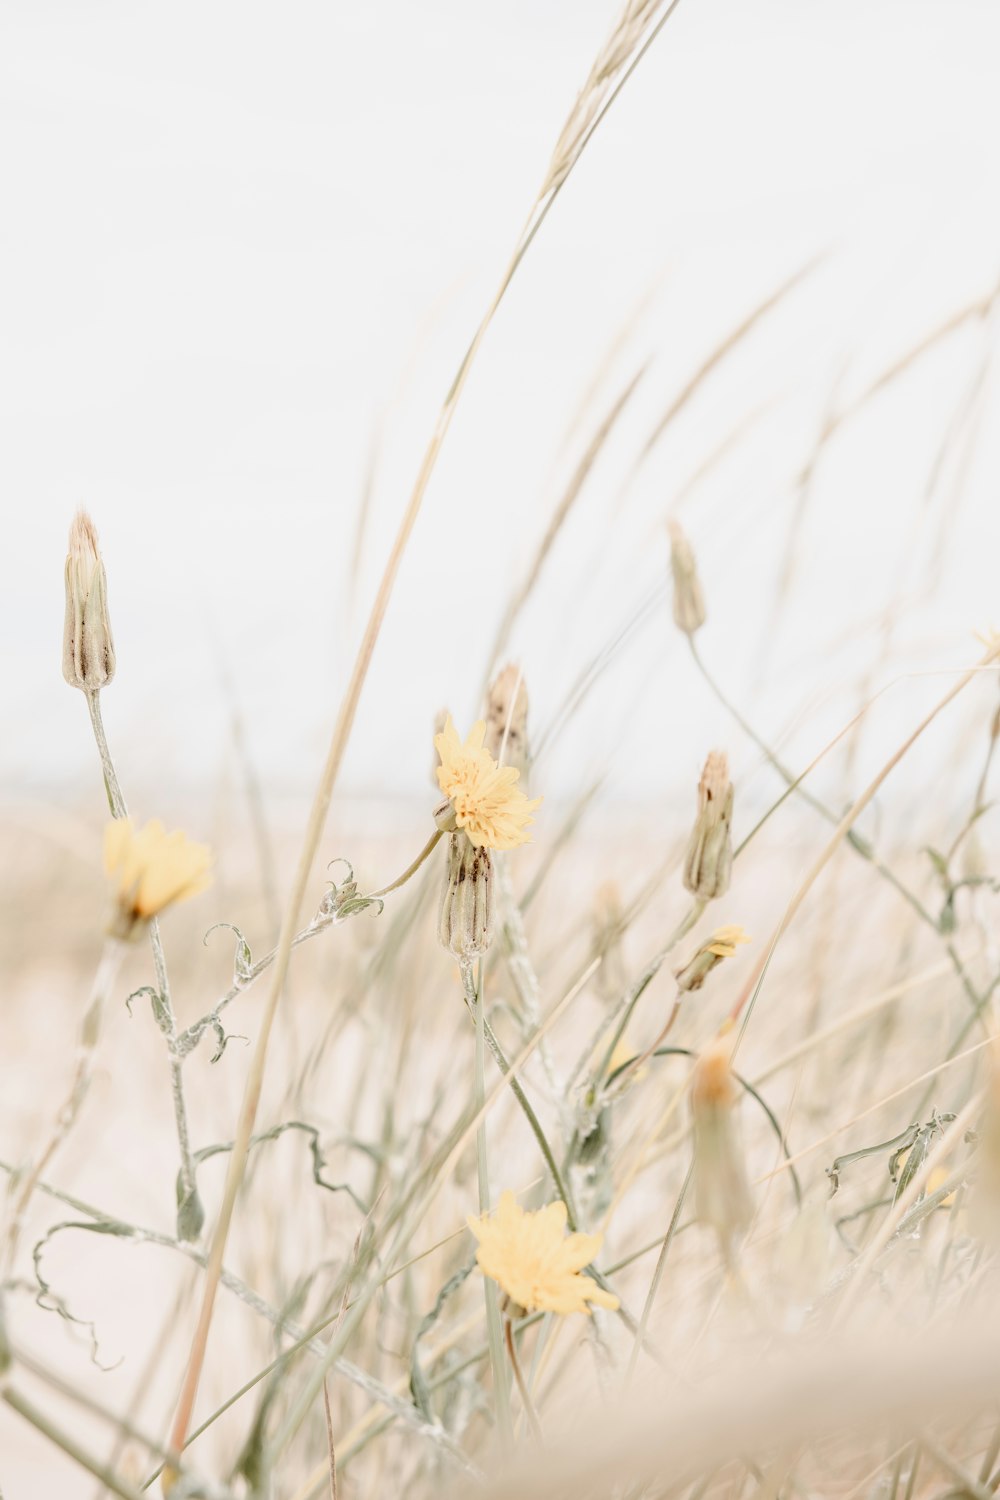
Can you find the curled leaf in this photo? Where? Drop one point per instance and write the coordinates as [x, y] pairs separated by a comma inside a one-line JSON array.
[[242, 959]]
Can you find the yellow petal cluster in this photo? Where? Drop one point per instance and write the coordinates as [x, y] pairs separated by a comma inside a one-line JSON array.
[[535, 1261], [724, 940], [150, 868], [488, 804]]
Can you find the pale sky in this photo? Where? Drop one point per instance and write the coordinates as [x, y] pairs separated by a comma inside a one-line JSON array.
[[244, 244]]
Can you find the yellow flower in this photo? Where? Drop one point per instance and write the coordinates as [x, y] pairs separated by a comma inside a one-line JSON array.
[[485, 798], [724, 940], [151, 869], [535, 1262], [722, 944]]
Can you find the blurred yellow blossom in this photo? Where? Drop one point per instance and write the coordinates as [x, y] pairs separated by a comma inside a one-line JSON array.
[[535, 1262], [151, 869]]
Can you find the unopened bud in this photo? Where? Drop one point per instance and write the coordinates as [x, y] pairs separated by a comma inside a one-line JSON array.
[[507, 720], [689, 602], [722, 944], [88, 649], [722, 1189], [466, 923], [709, 859]]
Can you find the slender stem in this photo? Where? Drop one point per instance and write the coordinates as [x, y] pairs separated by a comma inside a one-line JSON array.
[[533, 1121], [38, 1419], [747, 998], [522, 1385], [630, 999], [654, 1284], [860, 846], [494, 1334], [410, 869], [521, 969], [168, 1022], [90, 1032]]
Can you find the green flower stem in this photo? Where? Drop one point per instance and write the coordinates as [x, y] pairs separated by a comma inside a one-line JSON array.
[[166, 1017], [494, 1330], [410, 870]]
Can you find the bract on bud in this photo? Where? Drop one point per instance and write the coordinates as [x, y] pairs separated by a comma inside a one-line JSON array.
[[466, 922], [709, 859], [88, 649], [507, 720], [689, 602]]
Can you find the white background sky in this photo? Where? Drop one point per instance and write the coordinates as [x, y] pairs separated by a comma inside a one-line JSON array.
[[239, 240]]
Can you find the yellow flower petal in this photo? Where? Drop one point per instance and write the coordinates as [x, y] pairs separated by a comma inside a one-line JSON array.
[[535, 1262], [151, 869], [489, 805]]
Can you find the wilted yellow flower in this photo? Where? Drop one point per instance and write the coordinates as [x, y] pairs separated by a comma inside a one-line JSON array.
[[151, 869], [535, 1261], [722, 944], [88, 649], [485, 799], [724, 940]]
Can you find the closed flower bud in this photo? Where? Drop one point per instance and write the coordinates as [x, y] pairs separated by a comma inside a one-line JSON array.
[[88, 649], [722, 1190], [709, 859], [507, 720], [689, 602], [722, 944], [466, 924]]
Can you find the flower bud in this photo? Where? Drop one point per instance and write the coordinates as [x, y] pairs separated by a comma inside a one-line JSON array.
[[88, 649], [709, 859], [722, 1190], [689, 603], [507, 720], [722, 944], [466, 923]]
